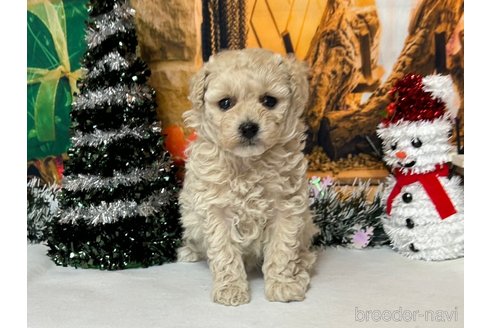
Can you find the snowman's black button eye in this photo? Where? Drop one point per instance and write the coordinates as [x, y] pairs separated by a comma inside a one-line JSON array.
[[393, 146], [417, 143]]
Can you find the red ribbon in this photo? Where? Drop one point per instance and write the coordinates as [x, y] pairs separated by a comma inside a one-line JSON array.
[[432, 186]]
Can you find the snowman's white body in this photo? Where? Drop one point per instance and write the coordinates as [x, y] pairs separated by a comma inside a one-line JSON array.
[[415, 228], [432, 238]]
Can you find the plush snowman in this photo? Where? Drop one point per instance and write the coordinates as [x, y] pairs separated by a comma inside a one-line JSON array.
[[424, 207]]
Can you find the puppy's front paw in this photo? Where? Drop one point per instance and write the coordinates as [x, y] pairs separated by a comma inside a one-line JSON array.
[[279, 291], [232, 294]]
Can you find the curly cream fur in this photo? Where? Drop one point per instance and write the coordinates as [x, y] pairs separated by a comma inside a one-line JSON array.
[[244, 203]]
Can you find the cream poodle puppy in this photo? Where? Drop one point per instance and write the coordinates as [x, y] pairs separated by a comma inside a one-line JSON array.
[[245, 196]]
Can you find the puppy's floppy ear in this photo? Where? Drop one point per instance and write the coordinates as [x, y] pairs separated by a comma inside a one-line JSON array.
[[299, 83], [193, 117]]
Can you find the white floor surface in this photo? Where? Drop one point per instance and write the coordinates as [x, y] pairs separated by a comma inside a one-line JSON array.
[[349, 288]]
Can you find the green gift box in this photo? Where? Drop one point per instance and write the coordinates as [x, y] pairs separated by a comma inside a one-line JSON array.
[[55, 45]]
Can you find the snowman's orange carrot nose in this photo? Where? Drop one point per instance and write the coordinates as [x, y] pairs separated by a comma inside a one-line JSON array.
[[401, 154]]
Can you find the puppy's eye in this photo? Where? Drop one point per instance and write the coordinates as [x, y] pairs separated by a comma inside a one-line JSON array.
[[393, 146], [226, 103], [268, 101], [417, 143]]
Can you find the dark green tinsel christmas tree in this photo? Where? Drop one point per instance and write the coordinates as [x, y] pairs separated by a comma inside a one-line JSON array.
[[118, 202], [41, 206]]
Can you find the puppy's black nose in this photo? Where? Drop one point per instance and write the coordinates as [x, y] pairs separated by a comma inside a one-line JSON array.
[[248, 129]]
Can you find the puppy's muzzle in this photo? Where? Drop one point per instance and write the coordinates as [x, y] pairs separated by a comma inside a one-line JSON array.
[[249, 129]]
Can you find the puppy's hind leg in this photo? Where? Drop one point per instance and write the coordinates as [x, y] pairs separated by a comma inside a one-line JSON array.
[[189, 253], [192, 249]]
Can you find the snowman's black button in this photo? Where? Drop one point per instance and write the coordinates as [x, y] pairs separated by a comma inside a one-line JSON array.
[[417, 143], [407, 197], [410, 224], [413, 249]]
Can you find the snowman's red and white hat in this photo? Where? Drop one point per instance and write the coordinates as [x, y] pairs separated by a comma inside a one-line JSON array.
[[415, 132], [417, 98]]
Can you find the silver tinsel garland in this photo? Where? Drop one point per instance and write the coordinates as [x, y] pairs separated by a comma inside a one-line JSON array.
[[100, 137], [120, 95], [41, 207], [90, 182], [110, 62], [120, 19], [346, 215], [112, 212]]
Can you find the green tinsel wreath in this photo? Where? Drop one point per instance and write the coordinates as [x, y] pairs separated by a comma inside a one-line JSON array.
[[347, 216]]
